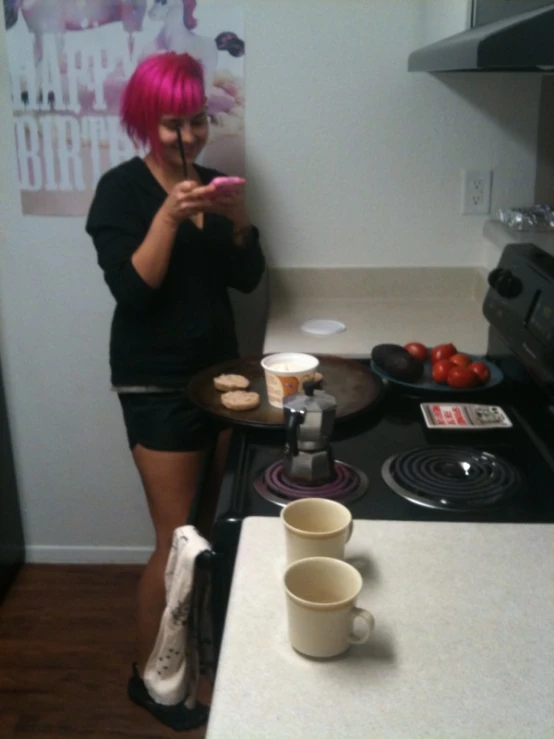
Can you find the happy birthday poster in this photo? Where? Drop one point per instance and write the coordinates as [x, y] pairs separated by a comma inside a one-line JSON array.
[[69, 61]]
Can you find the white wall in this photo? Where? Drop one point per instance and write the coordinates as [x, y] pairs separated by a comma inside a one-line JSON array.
[[352, 161], [358, 162], [440, 19]]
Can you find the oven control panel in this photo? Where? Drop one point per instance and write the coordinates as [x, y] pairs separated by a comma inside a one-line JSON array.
[[520, 306], [540, 321]]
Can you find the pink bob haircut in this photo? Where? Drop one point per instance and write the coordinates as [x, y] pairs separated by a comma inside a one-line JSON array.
[[163, 84]]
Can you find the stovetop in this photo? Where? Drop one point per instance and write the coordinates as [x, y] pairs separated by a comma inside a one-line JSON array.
[[368, 442]]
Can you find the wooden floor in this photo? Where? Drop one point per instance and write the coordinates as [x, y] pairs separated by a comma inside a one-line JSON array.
[[66, 647]]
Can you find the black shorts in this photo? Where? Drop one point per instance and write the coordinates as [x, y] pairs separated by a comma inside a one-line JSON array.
[[167, 422]]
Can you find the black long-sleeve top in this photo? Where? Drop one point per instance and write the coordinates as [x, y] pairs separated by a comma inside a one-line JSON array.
[[161, 336]]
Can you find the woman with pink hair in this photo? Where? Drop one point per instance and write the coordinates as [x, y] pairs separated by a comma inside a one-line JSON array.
[[169, 246]]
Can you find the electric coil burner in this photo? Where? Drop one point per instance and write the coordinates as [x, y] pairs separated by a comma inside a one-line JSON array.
[[451, 478], [347, 485]]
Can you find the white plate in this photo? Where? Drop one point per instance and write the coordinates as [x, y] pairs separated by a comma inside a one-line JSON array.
[[323, 327]]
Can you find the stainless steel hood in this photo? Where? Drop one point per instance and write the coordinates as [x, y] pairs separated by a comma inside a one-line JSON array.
[[521, 43]]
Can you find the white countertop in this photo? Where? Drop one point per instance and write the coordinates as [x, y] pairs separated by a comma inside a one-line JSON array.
[[463, 647], [372, 322], [433, 306]]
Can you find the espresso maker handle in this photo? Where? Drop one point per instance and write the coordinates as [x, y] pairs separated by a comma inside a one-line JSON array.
[[310, 386], [294, 420]]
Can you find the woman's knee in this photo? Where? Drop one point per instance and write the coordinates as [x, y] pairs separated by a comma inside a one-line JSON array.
[[170, 481]]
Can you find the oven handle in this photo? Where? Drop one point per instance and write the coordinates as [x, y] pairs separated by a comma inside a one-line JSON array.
[[205, 560]]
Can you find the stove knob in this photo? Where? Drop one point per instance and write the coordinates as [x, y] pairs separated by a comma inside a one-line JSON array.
[[506, 284], [509, 286], [494, 276]]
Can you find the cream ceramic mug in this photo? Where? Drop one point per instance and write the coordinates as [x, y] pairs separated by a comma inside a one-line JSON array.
[[316, 527], [321, 606]]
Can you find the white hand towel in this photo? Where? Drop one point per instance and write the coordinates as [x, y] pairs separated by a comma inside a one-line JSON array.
[[173, 669]]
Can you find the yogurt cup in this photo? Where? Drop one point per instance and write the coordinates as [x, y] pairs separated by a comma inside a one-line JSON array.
[[285, 374]]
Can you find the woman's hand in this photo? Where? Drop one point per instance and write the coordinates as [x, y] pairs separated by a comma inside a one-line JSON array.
[[187, 199], [232, 206]]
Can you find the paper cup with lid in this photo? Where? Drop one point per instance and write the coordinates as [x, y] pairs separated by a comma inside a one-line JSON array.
[[286, 373]]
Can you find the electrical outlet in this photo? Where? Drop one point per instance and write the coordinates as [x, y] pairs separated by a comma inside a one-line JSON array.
[[476, 191]]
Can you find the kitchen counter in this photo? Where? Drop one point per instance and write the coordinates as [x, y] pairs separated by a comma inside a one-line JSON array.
[[462, 648], [432, 305]]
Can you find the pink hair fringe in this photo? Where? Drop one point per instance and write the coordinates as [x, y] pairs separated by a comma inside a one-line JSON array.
[[163, 84]]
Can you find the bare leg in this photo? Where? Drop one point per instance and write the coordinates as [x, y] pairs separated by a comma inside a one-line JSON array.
[[170, 481]]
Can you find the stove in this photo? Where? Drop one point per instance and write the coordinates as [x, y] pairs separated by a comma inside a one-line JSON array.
[[393, 467]]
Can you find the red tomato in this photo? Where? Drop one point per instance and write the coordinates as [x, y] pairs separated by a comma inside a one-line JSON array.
[[461, 360], [481, 370], [461, 377], [443, 351], [417, 350], [440, 371]]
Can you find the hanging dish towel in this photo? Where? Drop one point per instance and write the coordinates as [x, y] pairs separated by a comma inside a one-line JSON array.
[[184, 643]]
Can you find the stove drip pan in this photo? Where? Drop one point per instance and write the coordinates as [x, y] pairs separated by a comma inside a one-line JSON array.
[[451, 478], [348, 485]]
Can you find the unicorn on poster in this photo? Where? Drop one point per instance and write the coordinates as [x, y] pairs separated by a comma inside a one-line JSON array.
[[48, 22]]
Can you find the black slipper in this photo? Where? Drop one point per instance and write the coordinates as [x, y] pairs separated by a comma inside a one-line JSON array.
[[178, 716]]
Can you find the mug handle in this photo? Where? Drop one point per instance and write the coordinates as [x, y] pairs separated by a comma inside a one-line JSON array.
[[369, 622], [350, 530]]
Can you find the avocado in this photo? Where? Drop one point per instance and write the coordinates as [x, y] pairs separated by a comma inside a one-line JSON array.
[[382, 352], [397, 362]]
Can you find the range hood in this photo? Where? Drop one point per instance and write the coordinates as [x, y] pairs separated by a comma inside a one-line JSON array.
[[521, 43]]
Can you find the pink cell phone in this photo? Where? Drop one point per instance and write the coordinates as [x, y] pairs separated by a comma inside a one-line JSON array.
[[227, 185]]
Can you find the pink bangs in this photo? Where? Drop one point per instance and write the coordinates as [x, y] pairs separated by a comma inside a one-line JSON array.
[[163, 84]]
